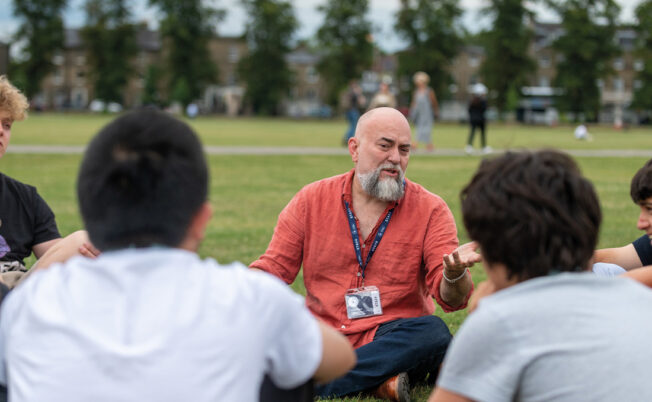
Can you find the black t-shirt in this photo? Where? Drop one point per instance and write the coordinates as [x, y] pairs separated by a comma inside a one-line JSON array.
[[4, 290], [25, 220], [643, 249]]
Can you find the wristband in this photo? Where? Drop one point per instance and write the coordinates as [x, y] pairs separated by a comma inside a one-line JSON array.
[[454, 279]]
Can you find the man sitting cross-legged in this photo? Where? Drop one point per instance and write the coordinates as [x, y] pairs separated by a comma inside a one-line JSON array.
[[148, 320], [377, 250], [551, 331]]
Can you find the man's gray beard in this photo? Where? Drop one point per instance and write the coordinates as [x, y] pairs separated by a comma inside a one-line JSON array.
[[389, 189]]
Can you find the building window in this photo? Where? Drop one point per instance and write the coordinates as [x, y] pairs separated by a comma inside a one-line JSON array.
[[234, 54], [231, 78], [474, 61], [57, 59], [619, 64], [639, 65], [544, 82], [638, 84], [81, 77], [80, 60], [142, 61], [618, 84], [311, 94], [544, 61], [627, 43], [311, 75], [57, 78]]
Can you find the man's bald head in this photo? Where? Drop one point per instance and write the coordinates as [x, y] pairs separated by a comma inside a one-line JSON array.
[[386, 118], [380, 151]]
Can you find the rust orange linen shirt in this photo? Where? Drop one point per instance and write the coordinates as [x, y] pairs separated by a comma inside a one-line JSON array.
[[407, 266]]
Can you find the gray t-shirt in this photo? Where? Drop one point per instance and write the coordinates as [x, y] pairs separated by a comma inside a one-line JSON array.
[[567, 337]]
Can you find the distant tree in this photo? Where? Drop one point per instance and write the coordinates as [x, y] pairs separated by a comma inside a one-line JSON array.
[[346, 44], [507, 63], [110, 40], [186, 28], [42, 28], [434, 34], [269, 32], [151, 94], [643, 95], [587, 46]]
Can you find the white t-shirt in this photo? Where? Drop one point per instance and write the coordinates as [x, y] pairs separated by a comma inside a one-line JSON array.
[[157, 324], [566, 337]]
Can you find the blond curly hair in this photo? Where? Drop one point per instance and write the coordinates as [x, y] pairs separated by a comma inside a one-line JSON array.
[[420, 76], [12, 100]]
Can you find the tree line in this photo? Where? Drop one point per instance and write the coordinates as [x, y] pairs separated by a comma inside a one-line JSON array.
[[432, 30]]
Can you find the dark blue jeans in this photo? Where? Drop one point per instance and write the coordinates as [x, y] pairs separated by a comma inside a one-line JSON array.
[[413, 345]]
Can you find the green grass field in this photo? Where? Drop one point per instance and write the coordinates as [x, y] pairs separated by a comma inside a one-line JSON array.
[[77, 129], [248, 192]]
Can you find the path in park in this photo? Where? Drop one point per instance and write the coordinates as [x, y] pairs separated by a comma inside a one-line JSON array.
[[241, 150]]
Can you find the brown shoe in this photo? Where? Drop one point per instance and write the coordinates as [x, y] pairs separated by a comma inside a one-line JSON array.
[[396, 389]]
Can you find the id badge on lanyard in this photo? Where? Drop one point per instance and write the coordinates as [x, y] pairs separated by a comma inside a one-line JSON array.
[[364, 301]]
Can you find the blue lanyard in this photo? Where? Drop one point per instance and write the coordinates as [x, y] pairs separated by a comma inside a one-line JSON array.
[[356, 238]]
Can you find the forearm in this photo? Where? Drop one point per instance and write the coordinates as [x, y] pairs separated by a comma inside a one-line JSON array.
[[625, 256], [454, 294], [642, 275]]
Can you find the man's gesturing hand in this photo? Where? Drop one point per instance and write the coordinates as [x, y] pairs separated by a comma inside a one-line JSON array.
[[460, 259]]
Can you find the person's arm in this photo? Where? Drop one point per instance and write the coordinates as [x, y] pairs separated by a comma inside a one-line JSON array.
[[642, 275], [42, 248], [362, 100], [338, 356], [440, 239], [457, 283], [435, 104], [625, 256], [412, 111], [4, 291], [76, 243], [443, 395], [44, 231], [284, 254]]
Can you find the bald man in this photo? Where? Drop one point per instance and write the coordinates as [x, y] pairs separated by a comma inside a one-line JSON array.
[[376, 249]]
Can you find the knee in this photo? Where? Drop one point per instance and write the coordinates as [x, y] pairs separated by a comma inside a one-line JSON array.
[[440, 335], [434, 335]]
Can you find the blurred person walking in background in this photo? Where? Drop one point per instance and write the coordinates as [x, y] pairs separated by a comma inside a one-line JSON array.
[[477, 109], [354, 102], [384, 97], [423, 110]]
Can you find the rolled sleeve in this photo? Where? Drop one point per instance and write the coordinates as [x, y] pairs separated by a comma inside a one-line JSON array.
[[284, 254], [441, 238]]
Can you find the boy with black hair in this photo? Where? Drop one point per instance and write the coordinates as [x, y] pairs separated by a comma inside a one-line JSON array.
[[550, 331], [148, 319], [639, 252]]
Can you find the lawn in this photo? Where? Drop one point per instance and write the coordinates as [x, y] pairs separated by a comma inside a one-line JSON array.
[[77, 129], [248, 191]]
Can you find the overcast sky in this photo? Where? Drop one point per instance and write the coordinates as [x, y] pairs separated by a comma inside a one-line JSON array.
[[382, 14]]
